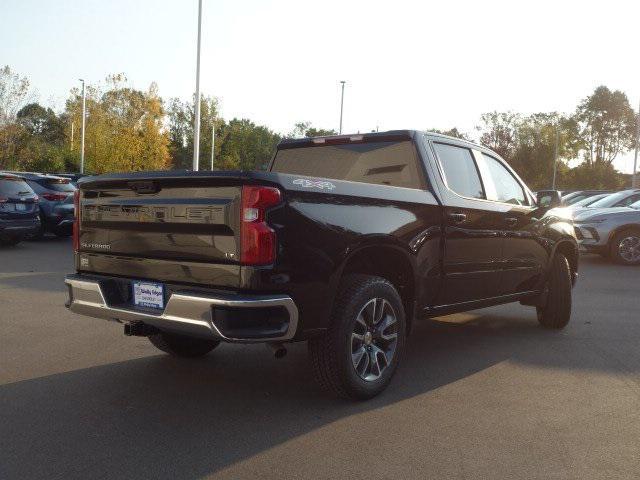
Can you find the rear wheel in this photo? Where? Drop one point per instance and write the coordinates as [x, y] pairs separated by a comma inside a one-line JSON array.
[[625, 247], [182, 345], [358, 355], [10, 241], [557, 310]]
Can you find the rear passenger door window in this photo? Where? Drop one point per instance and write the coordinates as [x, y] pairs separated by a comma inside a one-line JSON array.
[[460, 170], [506, 188]]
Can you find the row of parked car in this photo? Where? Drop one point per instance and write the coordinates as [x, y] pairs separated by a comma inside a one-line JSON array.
[[606, 222], [32, 204]]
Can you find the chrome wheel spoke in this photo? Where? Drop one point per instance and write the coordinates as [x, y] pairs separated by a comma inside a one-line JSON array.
[[385, 330], [376, 368], [629, 249], [361, 361], [374, 339], [380, 304]]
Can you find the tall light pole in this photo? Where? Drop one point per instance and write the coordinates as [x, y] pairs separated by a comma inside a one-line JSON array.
[[213, 142], [341, 104], [634, 178], [196, 122], [555, 158], [84, 118]]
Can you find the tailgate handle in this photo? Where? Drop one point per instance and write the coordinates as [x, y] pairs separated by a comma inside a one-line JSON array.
[[144, 187]]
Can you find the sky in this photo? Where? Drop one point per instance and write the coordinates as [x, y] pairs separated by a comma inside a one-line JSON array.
[[407, 64]]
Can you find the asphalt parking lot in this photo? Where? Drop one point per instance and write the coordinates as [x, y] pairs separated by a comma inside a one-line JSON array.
[[487, 394]]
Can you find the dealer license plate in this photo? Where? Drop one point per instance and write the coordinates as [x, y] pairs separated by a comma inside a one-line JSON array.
[[147, 294]]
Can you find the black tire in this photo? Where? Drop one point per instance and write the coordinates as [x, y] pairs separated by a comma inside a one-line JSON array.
[[616, 247], [332, 354], [10, 241], [557, 311], [182, 345], [38, 234]]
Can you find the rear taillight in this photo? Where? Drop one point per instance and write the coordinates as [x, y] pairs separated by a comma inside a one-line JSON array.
[[257, 239], [4, 199], [76, 220], [55, 197]]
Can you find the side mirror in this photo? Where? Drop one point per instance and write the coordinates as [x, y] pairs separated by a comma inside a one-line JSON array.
[[548, 198]]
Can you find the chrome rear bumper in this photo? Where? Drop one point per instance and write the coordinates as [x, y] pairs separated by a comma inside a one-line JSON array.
[[186, 313]]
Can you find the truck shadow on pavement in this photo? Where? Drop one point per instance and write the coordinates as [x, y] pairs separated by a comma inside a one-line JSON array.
[[160, 417]]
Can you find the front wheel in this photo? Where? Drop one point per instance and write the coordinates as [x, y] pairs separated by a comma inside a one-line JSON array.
[[557, 310], [182, 345], [358, 355], [625, 247]]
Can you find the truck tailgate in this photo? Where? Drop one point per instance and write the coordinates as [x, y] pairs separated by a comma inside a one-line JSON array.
[[174, 228]]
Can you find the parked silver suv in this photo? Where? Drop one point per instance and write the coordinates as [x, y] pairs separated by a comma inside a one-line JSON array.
[[613, 232]]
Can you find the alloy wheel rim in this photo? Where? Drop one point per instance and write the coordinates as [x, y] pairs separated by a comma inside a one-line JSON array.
[[629, 248], [374, 339]]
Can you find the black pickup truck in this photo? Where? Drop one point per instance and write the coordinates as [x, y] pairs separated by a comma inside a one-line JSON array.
[[344, 242]]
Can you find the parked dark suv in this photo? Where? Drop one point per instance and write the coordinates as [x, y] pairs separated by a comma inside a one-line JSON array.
[[56, 202], [18, 209]]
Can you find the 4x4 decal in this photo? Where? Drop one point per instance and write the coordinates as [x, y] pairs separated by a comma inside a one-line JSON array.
[[321, 184]]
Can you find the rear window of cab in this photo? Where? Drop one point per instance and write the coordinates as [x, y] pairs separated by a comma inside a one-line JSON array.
[[393, 163]]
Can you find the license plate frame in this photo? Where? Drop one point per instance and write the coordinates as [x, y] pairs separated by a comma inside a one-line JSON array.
[[148, 294], [21, 207]]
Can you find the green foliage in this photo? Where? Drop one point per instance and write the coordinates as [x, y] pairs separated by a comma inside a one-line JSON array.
[[181, 115], [13, 93], [601, 129], [125, 129], [499, 132], [606, 124], [304, 129], [596, 176], [239, 144], [246, 146]]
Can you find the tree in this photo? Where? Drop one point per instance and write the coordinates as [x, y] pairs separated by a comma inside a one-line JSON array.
[[533, 156], [304, 129], [42, 122], [181, 116], [499, 132], [246, 146], [125, 129], [606, 124], [13, 93]]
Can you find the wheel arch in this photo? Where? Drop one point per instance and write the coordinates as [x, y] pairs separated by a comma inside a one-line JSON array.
[[569, 248], [389, 261], [622, 228]]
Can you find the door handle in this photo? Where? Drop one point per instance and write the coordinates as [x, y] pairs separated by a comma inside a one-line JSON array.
[[511, 221], [458, 217]]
